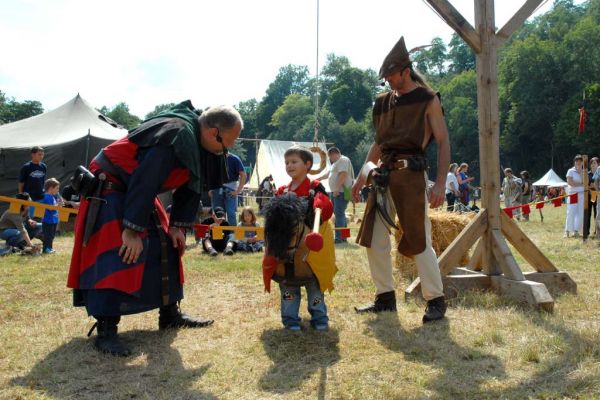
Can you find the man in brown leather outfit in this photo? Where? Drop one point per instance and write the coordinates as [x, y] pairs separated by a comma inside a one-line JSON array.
[[406, 119]]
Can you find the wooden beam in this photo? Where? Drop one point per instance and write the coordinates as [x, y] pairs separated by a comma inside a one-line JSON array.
[[449, 259], [477, 258], [534, 294], [507, 262], [525, 246], [457, 22], [457, 284], [517, 20], [556, 282], [489, 128]]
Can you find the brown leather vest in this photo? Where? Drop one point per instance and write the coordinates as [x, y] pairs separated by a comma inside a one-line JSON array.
[[399, 121]]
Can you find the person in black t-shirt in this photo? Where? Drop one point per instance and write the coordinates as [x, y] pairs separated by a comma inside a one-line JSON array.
[[213, 246], [33, 175]]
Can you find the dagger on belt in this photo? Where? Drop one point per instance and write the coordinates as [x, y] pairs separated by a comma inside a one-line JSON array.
[[93, 208]]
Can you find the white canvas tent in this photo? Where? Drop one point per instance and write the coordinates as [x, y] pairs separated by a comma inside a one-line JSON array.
[[270, 161], [71, 135], [550, 179]]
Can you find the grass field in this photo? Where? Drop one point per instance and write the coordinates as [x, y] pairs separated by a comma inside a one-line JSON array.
[[488, 348]]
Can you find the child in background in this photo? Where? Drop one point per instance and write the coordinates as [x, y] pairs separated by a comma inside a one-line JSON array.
[[250, 243], [50, 220], [298, 161]]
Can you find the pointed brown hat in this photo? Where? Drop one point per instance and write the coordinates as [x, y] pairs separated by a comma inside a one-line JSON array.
[[396, 60]]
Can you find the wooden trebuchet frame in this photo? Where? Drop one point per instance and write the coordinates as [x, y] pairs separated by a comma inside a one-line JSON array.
[[492, 265]]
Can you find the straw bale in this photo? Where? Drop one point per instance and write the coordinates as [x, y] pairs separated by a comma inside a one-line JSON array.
[[445, 226]]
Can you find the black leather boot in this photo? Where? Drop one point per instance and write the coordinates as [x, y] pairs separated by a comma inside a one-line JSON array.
[[171, 317], [107, 340], [383, 302], [436, 309]]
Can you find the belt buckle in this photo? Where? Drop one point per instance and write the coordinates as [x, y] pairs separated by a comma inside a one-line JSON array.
[[403, 162]]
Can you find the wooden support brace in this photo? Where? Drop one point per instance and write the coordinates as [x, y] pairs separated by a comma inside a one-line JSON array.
[[525, 246], [533, 294], [505, 259], [456, 284], [517, 20], [556, 282], [476, 260], [449, 259], [457, 22]]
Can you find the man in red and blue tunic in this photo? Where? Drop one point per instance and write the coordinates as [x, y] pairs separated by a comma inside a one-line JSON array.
[[129, 259]]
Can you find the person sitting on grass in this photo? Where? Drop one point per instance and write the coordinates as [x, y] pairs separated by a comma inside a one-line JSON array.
[[17, 228], [250, 243], [289, 216], [213, 246]]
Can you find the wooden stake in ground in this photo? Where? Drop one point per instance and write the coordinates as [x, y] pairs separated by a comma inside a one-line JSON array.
[[493, 254]]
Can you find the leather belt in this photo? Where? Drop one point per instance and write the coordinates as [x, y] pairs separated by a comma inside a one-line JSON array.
[[114, 186], [400, 164]]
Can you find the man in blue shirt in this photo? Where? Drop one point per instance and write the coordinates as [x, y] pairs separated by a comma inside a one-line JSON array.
[[227, 195], [33, 176]]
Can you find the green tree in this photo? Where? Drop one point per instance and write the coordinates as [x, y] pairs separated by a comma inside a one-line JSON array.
[[158, 109], [12, 110], [291, 79], [460, 55], [121, 115], [289, 120], [350, 95], [459, 99]]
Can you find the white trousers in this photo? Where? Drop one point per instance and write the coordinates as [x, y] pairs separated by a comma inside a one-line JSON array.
[[574, 222], [380, 258]]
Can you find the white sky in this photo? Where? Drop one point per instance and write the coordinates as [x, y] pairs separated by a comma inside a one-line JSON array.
[[212, 52]]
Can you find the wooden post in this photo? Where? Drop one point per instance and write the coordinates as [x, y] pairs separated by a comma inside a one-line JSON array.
[[489, 131], [500, 269]]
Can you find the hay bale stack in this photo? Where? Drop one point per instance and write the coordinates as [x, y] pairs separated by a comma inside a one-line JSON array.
[[445, 226]]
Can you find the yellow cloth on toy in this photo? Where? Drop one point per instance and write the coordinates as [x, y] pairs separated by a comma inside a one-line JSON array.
[[322, 262]]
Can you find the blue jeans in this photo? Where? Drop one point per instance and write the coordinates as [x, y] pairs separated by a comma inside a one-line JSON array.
[[339, 210], [221, 198], [13, 236], [290, 304]]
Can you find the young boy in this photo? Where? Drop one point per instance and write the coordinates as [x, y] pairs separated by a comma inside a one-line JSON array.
[[50, 220], [321, 264]]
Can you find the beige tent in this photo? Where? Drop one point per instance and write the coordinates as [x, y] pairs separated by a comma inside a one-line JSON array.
[[270, 161]]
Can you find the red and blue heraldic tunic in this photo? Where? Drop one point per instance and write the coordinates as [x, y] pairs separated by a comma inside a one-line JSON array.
[[141, 168]]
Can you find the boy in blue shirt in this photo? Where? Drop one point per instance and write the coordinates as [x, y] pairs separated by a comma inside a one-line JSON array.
[[50, 220]]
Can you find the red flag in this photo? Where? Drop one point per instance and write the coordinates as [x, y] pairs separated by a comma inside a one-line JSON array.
[[509, 212], [582, 115], [557, 201], [526, 209], [573, 198], [539, 205]]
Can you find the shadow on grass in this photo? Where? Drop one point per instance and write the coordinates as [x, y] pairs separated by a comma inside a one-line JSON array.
[[154, 370], [296, 357], [431, 344], [562, 376]]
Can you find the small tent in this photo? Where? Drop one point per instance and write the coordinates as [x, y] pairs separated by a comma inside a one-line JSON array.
[[270, 161], [71, 135], [550, 179]]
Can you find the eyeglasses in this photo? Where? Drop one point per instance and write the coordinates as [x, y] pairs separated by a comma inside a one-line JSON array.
[[220, 140]]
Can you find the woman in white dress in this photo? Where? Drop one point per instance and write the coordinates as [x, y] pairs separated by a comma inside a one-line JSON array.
[[574, 222]]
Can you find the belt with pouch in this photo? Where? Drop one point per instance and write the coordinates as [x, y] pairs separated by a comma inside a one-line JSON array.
[[414, 163]]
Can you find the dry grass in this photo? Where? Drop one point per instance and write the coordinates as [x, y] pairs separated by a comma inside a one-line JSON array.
[[488, 348]]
